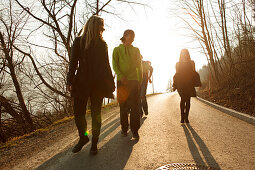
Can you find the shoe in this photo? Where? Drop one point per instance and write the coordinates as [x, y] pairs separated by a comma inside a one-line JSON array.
[[186, 119], [93, 149], [136, 136], [123, 134], [83, 141], [146, 113]]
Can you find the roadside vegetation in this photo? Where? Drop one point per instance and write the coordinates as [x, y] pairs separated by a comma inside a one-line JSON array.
[[224, 30]]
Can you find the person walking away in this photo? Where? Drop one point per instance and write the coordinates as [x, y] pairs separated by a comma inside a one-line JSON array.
[[147, 73], [127, 65], [89, 77], [183, 82]]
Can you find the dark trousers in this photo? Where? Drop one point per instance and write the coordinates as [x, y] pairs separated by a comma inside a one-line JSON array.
[[128, 98], [185, 105], [80, 104], [144, 105]]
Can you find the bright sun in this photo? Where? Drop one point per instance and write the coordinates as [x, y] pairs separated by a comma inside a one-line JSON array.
[[159, 41], [159, 47]]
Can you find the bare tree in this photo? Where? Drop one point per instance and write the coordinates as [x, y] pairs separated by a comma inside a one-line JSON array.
[[60, 18], [13, 25], [212, 31], [201, 30], [58, 21], [219, 25]]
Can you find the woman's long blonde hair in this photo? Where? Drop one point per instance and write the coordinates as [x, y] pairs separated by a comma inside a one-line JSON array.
[[91, 31], [184, 56]]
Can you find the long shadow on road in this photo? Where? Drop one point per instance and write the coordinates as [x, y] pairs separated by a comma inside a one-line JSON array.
[[114, 154], [189, 132]]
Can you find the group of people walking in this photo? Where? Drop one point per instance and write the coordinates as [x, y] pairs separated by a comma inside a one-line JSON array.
[[90, 77]]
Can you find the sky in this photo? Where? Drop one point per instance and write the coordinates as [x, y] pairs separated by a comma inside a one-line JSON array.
[[158, 35]]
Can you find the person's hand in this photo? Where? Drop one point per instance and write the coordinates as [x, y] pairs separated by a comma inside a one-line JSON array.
[[124, 80], [150, 80], [69, 88]]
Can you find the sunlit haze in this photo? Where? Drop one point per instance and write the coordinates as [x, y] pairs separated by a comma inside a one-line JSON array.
[[157, 36]]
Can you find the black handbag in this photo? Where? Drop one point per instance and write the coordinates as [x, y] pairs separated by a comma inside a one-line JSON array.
[[196, 79]]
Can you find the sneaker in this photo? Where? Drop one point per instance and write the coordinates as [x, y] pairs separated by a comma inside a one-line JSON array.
[[80, 144], [124, 134]]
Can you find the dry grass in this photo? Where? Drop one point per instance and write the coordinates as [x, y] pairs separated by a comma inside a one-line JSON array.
[[68, 118], [16, 140]]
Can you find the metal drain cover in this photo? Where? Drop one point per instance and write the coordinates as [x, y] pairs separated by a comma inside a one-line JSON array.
[[176, 166]]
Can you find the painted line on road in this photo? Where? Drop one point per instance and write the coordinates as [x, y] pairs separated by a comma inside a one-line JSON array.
[[247, 118]]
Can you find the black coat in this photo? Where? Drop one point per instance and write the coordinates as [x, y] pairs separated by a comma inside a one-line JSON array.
[[89, 70], [184, 79]]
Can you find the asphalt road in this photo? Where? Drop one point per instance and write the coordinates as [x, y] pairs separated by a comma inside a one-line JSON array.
[[212, 138]]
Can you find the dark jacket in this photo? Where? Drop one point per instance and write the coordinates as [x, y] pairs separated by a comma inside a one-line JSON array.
[[93, 70], [184, 78]]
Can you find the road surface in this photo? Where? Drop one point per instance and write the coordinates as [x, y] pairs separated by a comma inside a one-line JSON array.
[[212, 138]]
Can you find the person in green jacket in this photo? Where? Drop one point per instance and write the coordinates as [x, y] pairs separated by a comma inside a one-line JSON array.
[[127, 64]]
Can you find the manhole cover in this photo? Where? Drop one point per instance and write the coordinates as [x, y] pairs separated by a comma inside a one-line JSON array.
[[176, 166]]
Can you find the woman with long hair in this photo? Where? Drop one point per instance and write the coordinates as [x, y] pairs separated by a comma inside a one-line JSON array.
[[183, 82], [89, 77]]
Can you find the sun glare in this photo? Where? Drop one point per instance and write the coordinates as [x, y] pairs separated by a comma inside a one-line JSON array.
[[158, 38], [159, 46]]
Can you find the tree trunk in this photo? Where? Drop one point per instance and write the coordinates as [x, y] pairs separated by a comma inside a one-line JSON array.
[[2, 136], [22, 104], [8, 107], [206, 39]]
